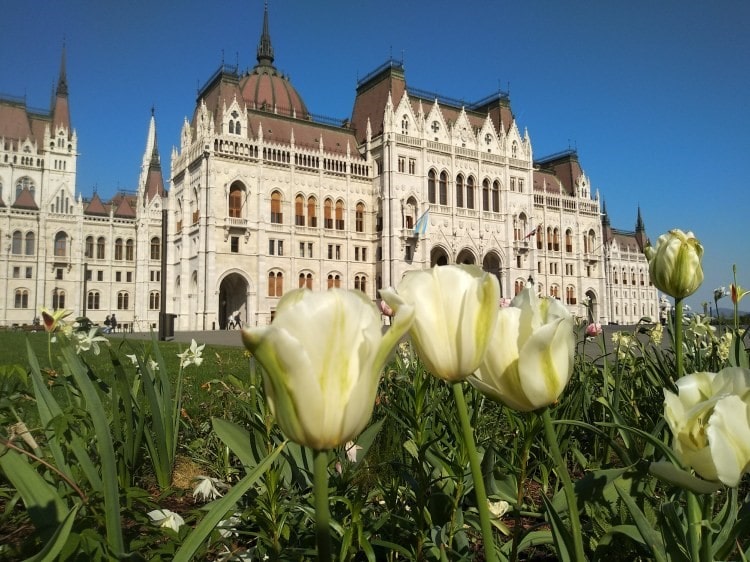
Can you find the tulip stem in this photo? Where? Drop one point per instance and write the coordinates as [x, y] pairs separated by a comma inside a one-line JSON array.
[[322, 514], [678, 337], [695, 518], [564, 475], [476, 474]]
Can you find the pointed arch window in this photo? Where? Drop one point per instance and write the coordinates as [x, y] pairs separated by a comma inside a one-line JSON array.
[[17, 243], [470, 192], [459, 191], [236, 198], [299, 210], [88, 251], [276, 215], [100, 247], [61, 244], [486, 195], [123, 300], [118, 249], [443, 188], [58, 299], [328, 213], [129, 250], [359, 218], [154, 300], [431, 187], [556, 239], [312, 211], [496, 196], [360, 283], [30, 248], [21, 299], [539, 238], [155, 248], [339, 215], [569, 241]]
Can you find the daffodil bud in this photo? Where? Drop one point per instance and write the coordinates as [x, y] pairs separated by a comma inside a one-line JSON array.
[[321, 357], [710, 422], [530, 358], [456, 307], [674, 264]]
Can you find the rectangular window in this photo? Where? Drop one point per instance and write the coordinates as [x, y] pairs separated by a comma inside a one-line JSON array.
[[412, 166], [118, 276], [100, 275], [234, 244], [280, 247], [271, 247], [518, 261], [89, 275], [520, 185], [16, 272], [512, 184], [302, 249], [330, 251], [356, 253], [338, 252], [29, 272], [59, 273], [155, 275], [129, 277], [401, 164], [364, 254], [309, 249], [407, 254]]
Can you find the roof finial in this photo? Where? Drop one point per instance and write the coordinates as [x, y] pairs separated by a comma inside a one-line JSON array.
[[265, 50], [639, 226]]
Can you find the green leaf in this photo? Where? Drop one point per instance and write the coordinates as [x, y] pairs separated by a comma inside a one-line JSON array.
[[237, 438], [651, 538], [220, 508], [56, 543], [560, 534], [44, 505]]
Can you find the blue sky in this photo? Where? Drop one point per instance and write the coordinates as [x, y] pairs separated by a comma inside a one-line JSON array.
[[653, 95]]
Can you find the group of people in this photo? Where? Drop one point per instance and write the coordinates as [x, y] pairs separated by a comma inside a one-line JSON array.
[[110, 324], [234, 322]]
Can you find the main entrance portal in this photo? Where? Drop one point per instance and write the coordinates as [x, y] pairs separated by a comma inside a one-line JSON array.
[[232, 300]]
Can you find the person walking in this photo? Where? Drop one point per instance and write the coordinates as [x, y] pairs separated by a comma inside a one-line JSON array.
[[113, 323]]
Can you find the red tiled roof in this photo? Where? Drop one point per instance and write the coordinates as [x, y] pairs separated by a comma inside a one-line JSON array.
[[371, 99], [96, 207], [25, 200], [124, 207]]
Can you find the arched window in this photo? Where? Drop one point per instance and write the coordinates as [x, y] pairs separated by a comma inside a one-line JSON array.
[[237, 128], [118, 249], [58, 299], [17, 243], [312, 215], [518, 287], [299, 210], [275, 284], [514, 150], [459, 191], [614, 275], [405, 125], [556, 239], [569, 241], [470, 192], [30, 249], [443, 188], [21, 298], [100, 245], [231, 126], [549, 237], [539, 238], [123, 300], [431, 187], [359, 218], [486, 195], [360, 283], [154, 300], [88, 251], [92, 300], [496, 196], [339, 215], [305, 280], [129, 247], [334, 280], [276, 215], [61, 244], [554, 291], [236, 197], [328, 213], [155, 248], [570, 295]]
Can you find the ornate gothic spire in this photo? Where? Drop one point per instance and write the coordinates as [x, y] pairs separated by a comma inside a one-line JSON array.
[[62, 81], [639, 227], [265, 50]]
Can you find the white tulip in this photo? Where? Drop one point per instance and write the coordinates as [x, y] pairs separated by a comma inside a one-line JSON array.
[[710, 421], [530, 359], [456, 307], [322, 356]]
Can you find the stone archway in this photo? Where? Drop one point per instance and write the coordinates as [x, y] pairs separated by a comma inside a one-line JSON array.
[[466, 256], [592, 306], [491, 264], [232, 298], [438, 256]]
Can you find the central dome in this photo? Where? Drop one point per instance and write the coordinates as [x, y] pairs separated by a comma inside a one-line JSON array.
[[267, 89]]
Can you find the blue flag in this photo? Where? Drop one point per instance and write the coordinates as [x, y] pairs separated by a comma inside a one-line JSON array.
[[420, 229]]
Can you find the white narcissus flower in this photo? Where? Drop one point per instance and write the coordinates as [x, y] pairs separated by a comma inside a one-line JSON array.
[[207, 488], [530, 359], [133, 358], [167, 518], [192, 355], [351, 450], [456, 309], [90, 340], [498, 508], [322, 356], [710, 422], [674, 264]]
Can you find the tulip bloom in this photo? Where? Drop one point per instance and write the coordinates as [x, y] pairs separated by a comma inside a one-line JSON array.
[[322, 356], [674, 265], [710, 422], [51, 319], [456, 311], [594, 329], [530, 359]]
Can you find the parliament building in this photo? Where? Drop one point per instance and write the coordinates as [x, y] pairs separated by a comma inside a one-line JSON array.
[[264, 196]]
